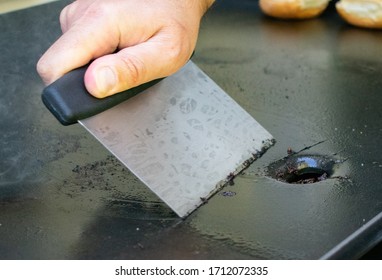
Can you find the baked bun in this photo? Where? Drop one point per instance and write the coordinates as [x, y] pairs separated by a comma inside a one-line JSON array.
[[293, 9], [363, 13]]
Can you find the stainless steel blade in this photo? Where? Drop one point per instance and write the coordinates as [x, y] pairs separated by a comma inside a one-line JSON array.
[[181, 137]]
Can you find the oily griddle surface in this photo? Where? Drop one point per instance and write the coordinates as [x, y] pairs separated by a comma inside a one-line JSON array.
[[307, 82]]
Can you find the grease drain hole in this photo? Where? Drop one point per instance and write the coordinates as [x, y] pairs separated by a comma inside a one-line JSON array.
[[302, 169]]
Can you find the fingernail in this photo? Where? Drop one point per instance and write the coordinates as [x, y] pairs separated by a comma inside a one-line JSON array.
[[106, 80]]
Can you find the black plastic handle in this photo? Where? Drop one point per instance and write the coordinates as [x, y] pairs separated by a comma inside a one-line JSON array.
[[69, 101]]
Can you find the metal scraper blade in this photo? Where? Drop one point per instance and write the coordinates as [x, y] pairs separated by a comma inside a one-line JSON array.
[[181, 137]]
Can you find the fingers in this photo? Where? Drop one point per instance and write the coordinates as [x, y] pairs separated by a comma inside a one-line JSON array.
[[135, 65], [75, 11], [152, 43], [73, 49], [67, 16], [83, 40]]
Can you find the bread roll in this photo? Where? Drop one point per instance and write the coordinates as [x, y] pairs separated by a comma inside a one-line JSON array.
[[363, 13], [293, 9]]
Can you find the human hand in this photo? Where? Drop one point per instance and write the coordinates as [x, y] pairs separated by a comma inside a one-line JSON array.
[[129, 42]]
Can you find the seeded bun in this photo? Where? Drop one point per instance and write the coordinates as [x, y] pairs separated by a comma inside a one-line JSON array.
[[293, 9], [362, 13]]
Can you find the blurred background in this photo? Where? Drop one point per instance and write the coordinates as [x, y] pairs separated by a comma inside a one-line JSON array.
[[12, 5]]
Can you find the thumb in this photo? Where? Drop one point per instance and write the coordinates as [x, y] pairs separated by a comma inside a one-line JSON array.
[[133, 66]]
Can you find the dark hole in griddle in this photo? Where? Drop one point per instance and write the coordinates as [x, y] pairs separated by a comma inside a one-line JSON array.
[[307, 177], [302, 169]]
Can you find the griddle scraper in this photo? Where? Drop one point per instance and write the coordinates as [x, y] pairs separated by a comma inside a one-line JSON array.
[[182, 136]]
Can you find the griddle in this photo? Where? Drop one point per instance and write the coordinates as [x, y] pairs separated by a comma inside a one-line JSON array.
[[316, 86]]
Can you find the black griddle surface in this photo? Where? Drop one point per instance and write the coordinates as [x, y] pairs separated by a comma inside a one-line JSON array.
[[62, 196]]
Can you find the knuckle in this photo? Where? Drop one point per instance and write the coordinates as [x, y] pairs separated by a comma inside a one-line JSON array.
[[43, 70], [134, 69], [64, 15], [67, 15], [180, 46], [64, 21], [98, 9], [175, 51]]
